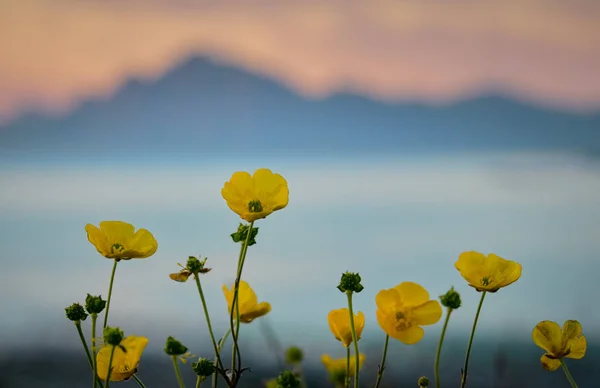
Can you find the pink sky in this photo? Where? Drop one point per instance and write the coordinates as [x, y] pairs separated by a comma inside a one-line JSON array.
[[54, 54]]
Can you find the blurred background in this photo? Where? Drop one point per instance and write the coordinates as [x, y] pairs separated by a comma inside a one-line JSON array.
[[409, 132]]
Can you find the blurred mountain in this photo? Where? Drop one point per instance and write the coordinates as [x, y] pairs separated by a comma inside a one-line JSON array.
[[202, 108]]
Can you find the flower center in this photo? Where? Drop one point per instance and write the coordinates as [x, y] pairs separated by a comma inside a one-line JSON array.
[[117, 248], [255, 206], [486, 281], [403, 321]]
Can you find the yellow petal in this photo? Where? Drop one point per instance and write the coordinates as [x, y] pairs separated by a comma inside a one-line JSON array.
[[471, 267], [339, 324], [181, 277], [427, 314], [271, 189], [409, 336], [548, 336], [259, 310], [98, 239], [412, 294], [504, 272], [359, 324], [550, 364], [144, 243], [571, 330], [247, 297], [387, 300], [578, 348], [119, 230]]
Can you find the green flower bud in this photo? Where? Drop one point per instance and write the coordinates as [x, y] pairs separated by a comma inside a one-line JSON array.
[[76, 313], [94, 304], [242, 233], [350, 282], [174, 347], [287, 380], [294, 355], [196, 266], [423, 382], [451, 299], [113, 335], [204, 367]]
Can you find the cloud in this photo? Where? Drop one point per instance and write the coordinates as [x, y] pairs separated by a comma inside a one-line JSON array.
[[54, 54], [472, 180]]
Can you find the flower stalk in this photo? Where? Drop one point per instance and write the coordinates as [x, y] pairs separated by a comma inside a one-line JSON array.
[[177, 373], [466, 367], [568, 374], [354, 339], [382, 366], [439, 348], [110, 287]]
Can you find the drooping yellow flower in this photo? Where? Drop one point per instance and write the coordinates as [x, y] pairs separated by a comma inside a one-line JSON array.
[[566, 343], [248, 304], [255, 197], [402, 310], [119, 240], [487, 273], [337, 367], [124, 363], [339, 324]]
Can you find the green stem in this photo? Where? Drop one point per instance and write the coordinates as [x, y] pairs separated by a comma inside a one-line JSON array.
[[94, 368], [199, 381], [439, 349], [83, 341], [382, 367], [235, 306], [110, 360], [177, 374], [110, 286], [210, 331], [354, 339], [347, 380], [221, 342], [464, 372], [568, 374], [138, 381]]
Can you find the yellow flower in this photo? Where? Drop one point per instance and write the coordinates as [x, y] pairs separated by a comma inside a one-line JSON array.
[[250, 309], [402, 310], [337, 367], [566, 343], [124, 363], [487, 273], [255, 197], [339, 324], [119, 240]]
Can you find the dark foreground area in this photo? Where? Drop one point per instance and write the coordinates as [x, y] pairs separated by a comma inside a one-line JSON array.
[[490, 367]]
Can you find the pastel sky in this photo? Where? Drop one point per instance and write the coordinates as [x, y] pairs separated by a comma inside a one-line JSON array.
[[53, 54]]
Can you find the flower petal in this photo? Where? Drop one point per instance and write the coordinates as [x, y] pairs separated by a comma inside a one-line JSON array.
[[118, 230], [359, 324], [471, 266], [550, 364], [578, 348], [259, 310], [387, 300], [412, 294], [427, 314], [339, 324], [144, 243], [571, 330], [548, 336], [98, 239], [246, 296], [409, 336], [504, 272]]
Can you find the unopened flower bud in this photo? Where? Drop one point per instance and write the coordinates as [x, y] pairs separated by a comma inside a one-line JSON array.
[[76, 313], [350, 282], [94, 304], [423, 382], [242, 233], [195, 265], [294, 355], [451, 299], [113, 335], [204, 367], [287, 379], [174, 347]]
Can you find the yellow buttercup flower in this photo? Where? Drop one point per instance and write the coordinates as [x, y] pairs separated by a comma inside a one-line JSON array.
[[339, 324], [487, 273], [402, 310], [255, 197], [337, 367], [124, 363], [566, 343], [119, 240], [248, 304]]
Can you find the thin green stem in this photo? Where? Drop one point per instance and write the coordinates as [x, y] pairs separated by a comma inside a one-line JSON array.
[[347, 379], [382, 366], [138, 381], [210, 331], [568, 374], [354, 339], [84, 342], [177, 374], [110, 287], [439, 349], [235, 308], [464, 371], [94, 368], [110, 360], [199, 381], [221, 342]]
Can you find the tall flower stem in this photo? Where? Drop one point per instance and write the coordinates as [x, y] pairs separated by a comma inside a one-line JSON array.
[[110, 286], [354, 339], [221, 342], [83, 341], [382, 366], [235, 308], [177, 374], [347, 379], [138, 381], [110, 360], [568, 374], [466, 367], [210, 331], [94, 368], [439, 349]]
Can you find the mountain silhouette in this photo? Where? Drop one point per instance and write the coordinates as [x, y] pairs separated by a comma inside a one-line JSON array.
[[202, 108]]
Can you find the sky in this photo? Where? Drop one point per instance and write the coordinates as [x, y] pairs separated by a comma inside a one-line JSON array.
[[408, 132]]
